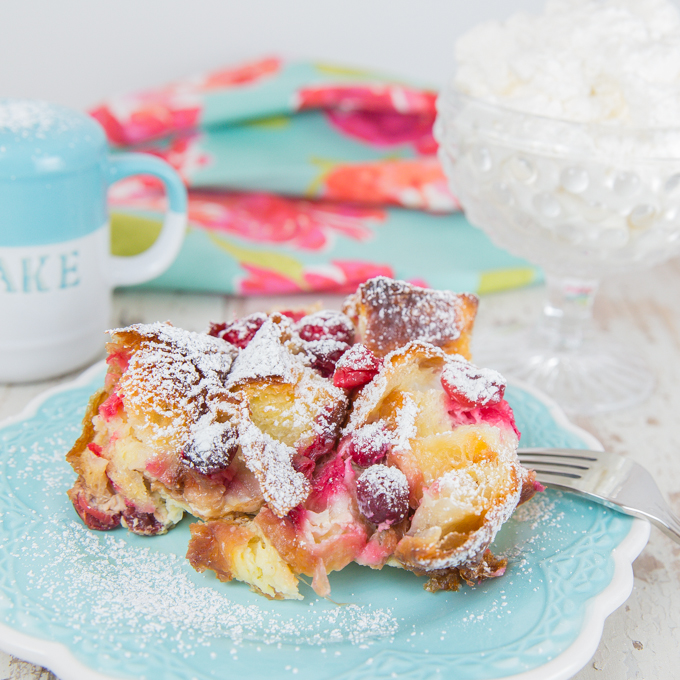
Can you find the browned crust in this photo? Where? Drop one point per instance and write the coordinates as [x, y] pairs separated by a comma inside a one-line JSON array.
[[419, 553], [212, 544], [389, 314], [450, 579], [281, 532], [87, 435]]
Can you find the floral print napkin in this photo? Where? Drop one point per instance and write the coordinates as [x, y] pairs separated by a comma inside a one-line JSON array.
[[301, 177]]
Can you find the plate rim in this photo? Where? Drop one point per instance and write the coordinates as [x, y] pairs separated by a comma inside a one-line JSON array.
[[59, 659]]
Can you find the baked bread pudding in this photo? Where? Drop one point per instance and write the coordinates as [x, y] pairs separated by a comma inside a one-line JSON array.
[[303, 442]]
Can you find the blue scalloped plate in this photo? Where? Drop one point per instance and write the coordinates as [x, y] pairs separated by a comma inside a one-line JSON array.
[[96, 606]]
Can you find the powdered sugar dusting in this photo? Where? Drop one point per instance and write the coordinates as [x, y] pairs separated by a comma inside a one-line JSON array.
[[385, 479], [110, 590], [477, 386], [358, 358], [266, 356], [374, 391], [373, 433], [398, 312], [175, 375], [271, 462], [29, 118]]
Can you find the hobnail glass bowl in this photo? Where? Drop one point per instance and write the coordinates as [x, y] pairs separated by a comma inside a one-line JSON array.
[[581, 201]]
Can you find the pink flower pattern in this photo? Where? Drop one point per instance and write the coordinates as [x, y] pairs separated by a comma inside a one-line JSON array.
[[177, 107], [261, 281]]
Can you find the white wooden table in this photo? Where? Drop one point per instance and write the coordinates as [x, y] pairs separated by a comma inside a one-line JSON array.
[[641, 640]]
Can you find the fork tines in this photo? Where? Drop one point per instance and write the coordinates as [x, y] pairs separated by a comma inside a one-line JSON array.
[[561, 463]]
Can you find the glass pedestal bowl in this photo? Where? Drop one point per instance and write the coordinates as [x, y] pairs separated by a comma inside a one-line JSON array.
[[581, 201]]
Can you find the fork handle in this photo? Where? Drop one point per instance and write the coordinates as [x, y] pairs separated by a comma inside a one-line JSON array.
[[665, 520]]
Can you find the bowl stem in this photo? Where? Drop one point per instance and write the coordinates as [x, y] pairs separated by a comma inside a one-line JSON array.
[[584, 371], [568, 311]]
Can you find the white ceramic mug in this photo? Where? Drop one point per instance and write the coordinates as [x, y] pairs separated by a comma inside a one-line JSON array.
[[56, 269]]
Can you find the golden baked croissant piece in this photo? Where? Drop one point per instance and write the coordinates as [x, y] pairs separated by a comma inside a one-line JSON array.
[[389, 314]]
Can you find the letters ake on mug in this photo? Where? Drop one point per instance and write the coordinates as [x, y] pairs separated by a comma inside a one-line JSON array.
[[56, 270]]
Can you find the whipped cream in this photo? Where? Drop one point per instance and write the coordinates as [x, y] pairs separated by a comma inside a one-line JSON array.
[[586, 61]]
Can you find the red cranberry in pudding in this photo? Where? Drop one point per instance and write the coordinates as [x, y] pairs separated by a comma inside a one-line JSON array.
[[95, 448], [324, 432], [239, 332], [369, 445], [293, 314], [324, 354], [94, 517], [111, 407], [357, 367], [212, 449], [326, 324], [382, 494], [143, 523], [470, 386]]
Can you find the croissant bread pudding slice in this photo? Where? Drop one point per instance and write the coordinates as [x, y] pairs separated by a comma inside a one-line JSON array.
[[304, 442]]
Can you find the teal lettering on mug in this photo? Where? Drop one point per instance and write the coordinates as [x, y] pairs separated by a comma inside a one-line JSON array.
[[5, 278], [32, 274], [69, 270]]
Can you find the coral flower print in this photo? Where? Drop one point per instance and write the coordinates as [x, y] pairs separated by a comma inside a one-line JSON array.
[[177, 107], [185, 154], [381, 115], [240, 75], [343, 276], [257, 217], [140, 118], [301, 177], [267, 218], [337, 276], [414, 183]]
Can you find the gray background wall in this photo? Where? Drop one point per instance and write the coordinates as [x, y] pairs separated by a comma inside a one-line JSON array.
[[76, 52]]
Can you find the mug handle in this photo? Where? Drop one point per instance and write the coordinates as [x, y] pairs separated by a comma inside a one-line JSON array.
[[127, 271]]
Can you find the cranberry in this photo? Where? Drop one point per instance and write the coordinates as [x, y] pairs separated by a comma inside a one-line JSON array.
[[293, 314], [92, 516], [329, 479], [470, 386], [382, 494], [303, 465], [326, 324], [216, 328], [110, 408], [369, 445], [324, 354], [143, 523], [239, 332], [119, 359], [212, 450], [95, 448], [325, 432], [356, 367]]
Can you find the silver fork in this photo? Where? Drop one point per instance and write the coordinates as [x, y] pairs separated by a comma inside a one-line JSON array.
[[607, 478]]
